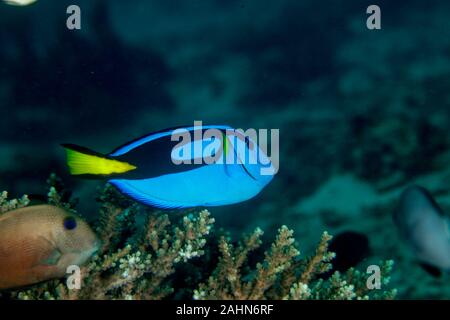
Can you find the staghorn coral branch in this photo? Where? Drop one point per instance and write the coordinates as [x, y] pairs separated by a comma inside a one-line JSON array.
[[320, 262], [8, 205], [142, 265], [281, 275], [277, 260]]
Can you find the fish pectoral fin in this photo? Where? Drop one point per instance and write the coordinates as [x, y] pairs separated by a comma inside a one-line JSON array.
[[49, 254], [52, 259], [432, 270]]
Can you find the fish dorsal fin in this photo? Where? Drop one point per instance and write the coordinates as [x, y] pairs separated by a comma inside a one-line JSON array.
[[156, 135], [430, 198]]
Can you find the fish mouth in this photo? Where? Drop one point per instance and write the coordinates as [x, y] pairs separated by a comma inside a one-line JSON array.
[[94, 249]]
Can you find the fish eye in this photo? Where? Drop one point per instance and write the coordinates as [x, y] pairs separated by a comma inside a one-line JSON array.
[[70, 223]]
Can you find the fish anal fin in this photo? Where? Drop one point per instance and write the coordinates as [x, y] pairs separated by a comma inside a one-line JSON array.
[[128, 188]]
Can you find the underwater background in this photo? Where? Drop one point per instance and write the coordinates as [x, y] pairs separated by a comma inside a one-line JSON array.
[[362, 113]]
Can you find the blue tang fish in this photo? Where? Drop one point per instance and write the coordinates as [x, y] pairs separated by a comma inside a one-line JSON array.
[[160, 171]]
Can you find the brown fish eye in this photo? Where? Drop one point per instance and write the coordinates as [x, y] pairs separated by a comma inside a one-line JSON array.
[[70, 223]]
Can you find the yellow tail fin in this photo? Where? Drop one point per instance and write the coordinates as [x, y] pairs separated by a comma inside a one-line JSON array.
[[84, 161]]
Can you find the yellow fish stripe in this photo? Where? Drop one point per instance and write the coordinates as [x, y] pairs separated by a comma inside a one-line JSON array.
[[225, 144], [84, 163]]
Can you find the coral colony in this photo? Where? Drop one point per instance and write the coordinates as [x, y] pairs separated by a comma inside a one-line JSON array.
[[147, 255]]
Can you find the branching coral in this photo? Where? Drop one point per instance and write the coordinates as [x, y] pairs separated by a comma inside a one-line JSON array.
[[139, 271], [282, 275], [226, 281], [130, 266], [8, 205], [143, 250], [58, 195]]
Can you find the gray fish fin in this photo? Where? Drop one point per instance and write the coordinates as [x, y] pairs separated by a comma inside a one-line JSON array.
[[433, 201], [432, 270], [53, 258], [52, 254]]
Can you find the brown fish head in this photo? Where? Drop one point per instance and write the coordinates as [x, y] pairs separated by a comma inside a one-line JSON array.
[[39, 243], [74, 239]]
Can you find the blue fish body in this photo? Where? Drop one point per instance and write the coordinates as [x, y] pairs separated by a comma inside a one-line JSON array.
[[155, 180]]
